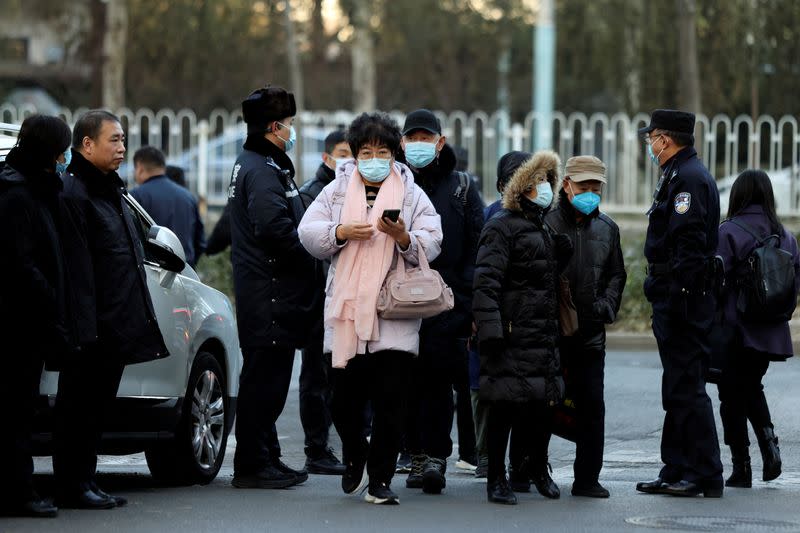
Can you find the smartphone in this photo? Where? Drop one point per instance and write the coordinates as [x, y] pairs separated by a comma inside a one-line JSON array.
[[391, 214]]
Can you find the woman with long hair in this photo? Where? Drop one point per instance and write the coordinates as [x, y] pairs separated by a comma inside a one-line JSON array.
[[751, 218]]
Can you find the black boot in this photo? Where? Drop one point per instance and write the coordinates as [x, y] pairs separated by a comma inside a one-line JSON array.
[[742, 475], [520, 476], [544, 483], [770, 453], [499, 491]]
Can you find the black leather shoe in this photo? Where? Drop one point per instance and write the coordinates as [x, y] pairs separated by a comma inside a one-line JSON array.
[[121, 501], [85, 498], [594, 490], [690, 489], [34, 508], [323, 462], [500, 492], [300, 475], [268, 478], [652, 487]]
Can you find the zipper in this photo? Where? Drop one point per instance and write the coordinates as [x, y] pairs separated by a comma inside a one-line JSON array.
[[509, 326]]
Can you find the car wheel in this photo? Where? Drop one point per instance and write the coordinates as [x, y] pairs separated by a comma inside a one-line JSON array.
[[195, 454]]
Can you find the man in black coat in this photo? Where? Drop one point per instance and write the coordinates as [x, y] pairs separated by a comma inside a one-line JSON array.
[[682, 237], [443, 360], [109, 304], [596, 275], [32, 297], [277, 285], [170, 205], [315, 389]]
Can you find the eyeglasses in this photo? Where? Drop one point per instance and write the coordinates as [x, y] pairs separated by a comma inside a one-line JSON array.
[[651, 139], [368, 153]]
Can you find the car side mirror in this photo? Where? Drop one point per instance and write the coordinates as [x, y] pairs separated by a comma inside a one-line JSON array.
[[164, 247]]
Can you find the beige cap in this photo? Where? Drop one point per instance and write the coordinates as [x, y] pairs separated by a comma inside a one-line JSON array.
[[584, 168]]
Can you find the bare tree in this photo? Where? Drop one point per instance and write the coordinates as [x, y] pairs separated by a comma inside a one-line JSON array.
[[689, 73], [115, 43], [363, 57]]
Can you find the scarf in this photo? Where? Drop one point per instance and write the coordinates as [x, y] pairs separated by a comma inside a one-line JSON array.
[[362, 268]]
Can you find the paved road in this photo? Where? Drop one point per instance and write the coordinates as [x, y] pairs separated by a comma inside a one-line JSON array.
[[632, 453]]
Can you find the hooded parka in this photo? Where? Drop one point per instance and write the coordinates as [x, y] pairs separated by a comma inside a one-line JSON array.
[[515, 301]]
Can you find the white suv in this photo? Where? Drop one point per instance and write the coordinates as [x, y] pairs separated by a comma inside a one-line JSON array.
[[180, 409]]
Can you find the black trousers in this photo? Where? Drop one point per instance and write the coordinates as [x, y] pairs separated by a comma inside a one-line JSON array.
[[689, 442], [441, 366], [585, 375], [263, 388], [529, 426], [86, 393], [381, 378], [315, 397], [20, 381], [741, 396]]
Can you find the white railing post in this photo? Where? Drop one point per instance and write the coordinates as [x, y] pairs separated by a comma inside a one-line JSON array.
[[202, 159]]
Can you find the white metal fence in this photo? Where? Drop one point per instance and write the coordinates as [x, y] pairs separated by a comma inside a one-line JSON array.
[[207, 146]]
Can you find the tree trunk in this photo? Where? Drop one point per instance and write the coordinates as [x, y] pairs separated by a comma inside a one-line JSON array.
[[97, 34], [363, 59], [115, 43], [689, 76]]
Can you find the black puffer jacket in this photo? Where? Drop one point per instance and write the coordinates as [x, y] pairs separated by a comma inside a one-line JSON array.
[[109, 298], [32, 296], [311, 189], [596, 272], [515, 302], [277, 283]]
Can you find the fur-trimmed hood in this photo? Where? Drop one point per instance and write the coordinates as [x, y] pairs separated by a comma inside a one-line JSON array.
[[543, 162]]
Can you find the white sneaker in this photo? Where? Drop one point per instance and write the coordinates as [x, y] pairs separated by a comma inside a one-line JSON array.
[[461, 464]]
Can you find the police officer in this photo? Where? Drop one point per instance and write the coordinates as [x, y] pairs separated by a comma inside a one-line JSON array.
[[275, 282], [681, 242]]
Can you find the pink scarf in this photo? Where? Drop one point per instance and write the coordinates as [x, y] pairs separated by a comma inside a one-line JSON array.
[[361, 268]]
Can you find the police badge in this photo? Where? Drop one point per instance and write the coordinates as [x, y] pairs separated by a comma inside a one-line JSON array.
[[682, 202]]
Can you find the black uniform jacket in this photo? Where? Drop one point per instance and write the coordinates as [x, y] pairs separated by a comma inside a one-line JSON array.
[[277, 283], [109, 298], [32, 298], [682, 232], [596, 272]]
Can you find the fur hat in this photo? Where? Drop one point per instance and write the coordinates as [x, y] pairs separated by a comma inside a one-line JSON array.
[[543, 162], [265, 105]]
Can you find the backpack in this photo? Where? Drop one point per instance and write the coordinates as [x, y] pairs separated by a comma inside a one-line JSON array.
[[461, 191], [767, 291]]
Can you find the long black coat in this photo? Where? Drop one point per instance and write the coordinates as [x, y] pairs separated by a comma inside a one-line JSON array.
[[277, 283], [109, 299], [32, 298], [596, 272], [515, 302]]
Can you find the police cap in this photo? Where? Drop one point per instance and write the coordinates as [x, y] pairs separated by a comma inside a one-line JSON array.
[[266, 105], [670, 120]]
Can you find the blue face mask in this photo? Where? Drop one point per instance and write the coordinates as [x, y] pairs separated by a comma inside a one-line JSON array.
[[374, 170], [62, 167], [586, 202], [544, 195], [652, 155], [420, 154], [289, 143]]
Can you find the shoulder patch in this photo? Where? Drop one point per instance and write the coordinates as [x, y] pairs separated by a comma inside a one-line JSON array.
[[683, 200]]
